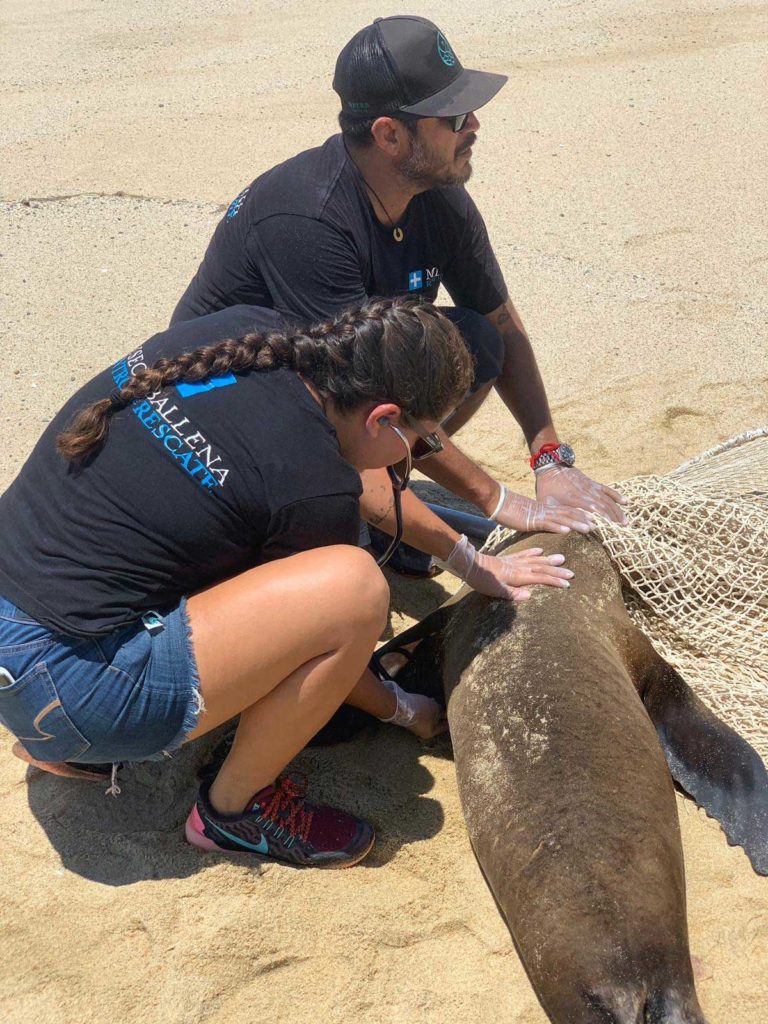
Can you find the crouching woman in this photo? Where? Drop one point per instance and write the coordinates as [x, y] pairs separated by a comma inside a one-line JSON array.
[[181, 548]]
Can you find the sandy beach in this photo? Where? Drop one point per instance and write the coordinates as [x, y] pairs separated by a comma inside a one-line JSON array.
[[622, 175]]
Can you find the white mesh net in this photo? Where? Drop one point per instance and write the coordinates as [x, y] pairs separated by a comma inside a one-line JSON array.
[[694, 562]]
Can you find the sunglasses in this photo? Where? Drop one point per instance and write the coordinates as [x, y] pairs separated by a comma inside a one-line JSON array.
[[425, 445], [427, 442], [456, 122]]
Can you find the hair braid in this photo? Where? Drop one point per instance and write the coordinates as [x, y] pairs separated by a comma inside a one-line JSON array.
[[393, 350], [89, 429]]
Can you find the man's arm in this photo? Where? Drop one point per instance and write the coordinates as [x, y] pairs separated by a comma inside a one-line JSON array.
[[427, 532], [509, 577], [522, 391], [456, 472], [519, 384], [474, 280]]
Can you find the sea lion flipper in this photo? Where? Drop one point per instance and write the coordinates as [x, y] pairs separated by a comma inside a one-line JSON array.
[[423, 672], [711, 762]]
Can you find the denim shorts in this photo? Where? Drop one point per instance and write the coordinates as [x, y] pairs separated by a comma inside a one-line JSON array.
[[130, 696]]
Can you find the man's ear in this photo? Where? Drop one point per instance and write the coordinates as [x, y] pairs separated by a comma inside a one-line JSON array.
[[389, 135]]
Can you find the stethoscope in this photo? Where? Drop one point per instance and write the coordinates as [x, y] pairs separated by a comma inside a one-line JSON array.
[[399, 483]]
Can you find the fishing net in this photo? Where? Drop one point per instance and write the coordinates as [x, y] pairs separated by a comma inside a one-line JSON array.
[[694, 565]]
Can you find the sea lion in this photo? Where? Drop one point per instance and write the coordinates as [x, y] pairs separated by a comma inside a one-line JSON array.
[[561, 714]]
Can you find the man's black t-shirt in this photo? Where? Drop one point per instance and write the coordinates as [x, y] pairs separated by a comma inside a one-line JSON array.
[[194, 484], [303, 240]]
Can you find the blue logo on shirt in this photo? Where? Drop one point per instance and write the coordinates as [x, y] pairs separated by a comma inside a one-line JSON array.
[[188, 390], [234, 206], [414, 280]]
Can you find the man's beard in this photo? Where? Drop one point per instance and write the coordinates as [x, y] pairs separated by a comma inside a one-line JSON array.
[[422, 167]]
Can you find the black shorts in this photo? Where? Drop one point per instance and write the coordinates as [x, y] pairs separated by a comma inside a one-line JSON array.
[[483, 341]]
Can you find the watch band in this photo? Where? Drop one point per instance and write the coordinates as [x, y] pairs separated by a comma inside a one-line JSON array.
[[551, 454]]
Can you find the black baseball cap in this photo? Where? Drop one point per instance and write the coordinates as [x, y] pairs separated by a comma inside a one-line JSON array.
[[405, 64]]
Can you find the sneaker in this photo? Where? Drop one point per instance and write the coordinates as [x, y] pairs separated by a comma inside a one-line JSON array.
[[67, 769], [280, 824]]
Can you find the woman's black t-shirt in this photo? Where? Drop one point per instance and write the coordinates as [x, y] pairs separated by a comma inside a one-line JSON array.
[[195, 484]]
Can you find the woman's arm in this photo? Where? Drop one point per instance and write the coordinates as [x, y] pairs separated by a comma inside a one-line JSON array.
[[371, 695], [420, 715], [421, 527]]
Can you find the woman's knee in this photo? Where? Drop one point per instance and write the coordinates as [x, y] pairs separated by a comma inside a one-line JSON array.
[[358, 586]]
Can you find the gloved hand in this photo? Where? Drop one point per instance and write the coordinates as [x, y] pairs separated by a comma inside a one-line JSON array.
[[569, 486], [510, 576], [421, 715], [550, 515]]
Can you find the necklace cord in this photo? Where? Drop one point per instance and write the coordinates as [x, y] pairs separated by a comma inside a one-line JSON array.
[[397, 232]]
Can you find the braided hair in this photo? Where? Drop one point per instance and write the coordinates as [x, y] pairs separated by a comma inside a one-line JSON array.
[[388, 350]]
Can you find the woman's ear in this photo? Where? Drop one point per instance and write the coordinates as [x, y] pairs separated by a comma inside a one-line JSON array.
[[381, 416]]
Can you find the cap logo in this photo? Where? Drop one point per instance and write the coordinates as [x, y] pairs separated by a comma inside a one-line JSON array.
[[447, 56]]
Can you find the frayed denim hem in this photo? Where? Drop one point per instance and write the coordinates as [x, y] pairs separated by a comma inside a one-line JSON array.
[[196, 706]]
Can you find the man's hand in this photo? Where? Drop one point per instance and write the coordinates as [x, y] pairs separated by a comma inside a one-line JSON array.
[[572, 488], [517, 512]]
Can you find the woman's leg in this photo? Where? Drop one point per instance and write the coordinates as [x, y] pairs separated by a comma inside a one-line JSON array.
[[282, 645]]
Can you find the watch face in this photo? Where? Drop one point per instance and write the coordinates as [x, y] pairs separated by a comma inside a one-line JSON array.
[[567, 455]]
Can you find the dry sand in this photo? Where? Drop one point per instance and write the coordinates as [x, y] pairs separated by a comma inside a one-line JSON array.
[[622, 176]]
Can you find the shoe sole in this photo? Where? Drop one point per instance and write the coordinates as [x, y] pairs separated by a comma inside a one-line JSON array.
[[202, 842], [60, 768]]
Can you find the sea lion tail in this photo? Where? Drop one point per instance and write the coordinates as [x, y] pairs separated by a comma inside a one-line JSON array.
[[711, 762]]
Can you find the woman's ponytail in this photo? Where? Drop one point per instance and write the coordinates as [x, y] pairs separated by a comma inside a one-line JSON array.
[[89, 429], [393, 350]]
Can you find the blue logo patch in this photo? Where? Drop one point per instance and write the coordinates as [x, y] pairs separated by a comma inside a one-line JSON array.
[[447, 56], [234, 206], [415, 279], [188, 390]]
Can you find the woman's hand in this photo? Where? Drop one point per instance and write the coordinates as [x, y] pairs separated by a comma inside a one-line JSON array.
[[420, 715], [509, 577], [429, 718], [550, 514]]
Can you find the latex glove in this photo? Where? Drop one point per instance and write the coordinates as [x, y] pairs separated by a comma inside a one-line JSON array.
[[550, 515], [421, 715], [569, 486], [510, 576]]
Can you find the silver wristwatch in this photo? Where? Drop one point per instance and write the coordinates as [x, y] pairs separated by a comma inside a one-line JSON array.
[[562, 455]]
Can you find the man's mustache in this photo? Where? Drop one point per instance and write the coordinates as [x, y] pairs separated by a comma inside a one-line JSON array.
[[471, 140]]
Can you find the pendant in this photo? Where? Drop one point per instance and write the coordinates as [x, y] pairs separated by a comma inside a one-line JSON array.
[[397, 234]]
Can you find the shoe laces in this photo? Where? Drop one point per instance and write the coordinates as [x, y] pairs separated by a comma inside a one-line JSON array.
[[288, 803]]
